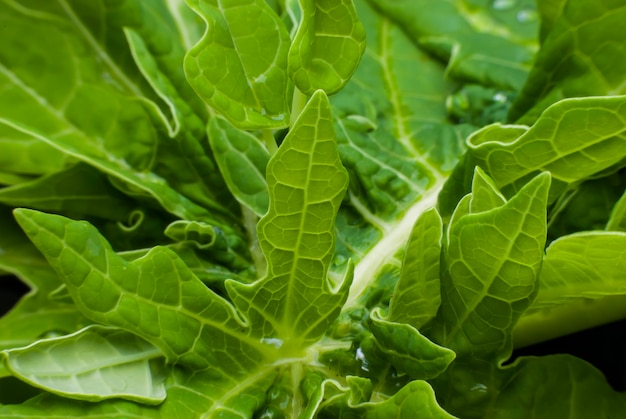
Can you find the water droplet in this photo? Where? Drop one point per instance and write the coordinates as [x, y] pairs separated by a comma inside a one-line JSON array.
[[503, 4], [260, 79], [276, 343], [481, 388], [524, 16], [360, 356]]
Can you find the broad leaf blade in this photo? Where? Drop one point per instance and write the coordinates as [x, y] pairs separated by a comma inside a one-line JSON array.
[[327, 47], [492, 263], [92, 364], [417, 295], [561, 141], [296, 301], [239, 66], [578, 56], [156, 297]]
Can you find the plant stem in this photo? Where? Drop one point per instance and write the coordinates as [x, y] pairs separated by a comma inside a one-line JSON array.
[[298, 102]]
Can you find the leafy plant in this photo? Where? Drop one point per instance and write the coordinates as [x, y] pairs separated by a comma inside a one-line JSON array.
[[323, 208]]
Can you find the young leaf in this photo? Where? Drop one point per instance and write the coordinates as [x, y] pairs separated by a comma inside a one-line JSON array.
[[296, 301], [239, 65], [242, 160], [582, 284], [408, 351], [417, 295], [492, 265], [95, 363], [327, 47], [156, 296], [561, 142]]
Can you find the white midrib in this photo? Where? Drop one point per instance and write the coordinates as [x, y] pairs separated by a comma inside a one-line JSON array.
[[394, 238]]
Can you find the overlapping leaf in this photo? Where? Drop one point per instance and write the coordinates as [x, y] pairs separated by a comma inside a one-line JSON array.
[[296, 301], [327, 47], [239, 66]]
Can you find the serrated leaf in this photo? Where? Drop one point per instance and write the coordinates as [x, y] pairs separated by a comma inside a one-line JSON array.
[[242, 160], [297, 301], [417, 295], [492, 265], [156, 297], [327, 47], [248, 44], [92, 364], [561, 141], [408, 351]]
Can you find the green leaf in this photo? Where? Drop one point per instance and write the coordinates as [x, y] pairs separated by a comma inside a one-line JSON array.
[[558, 386], [578, 56], [416, 399], [561, 142], [582, 285], [297, 301], [92, 364], [398, 144], [59, 98], [492, 262], [488, 44], [38, 314], [239, 65], [156, 297], [327, 47], [242, 160], [408, 351], [27, 156], [80, 190], [417, 297]]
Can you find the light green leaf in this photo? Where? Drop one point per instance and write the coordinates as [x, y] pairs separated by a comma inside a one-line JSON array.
[[297, 301], [397, 142], [79, 190], [156, 297], [488, 44], [582, 285], [417, 296], [23, 155], [416, 399], [492, 264], [92, 364], [562, 141], [37, 314], [587, 264], [52, 104], [578, 56], [408, 351], [485, 194], [242, 160], [327, 47], [239, 66]]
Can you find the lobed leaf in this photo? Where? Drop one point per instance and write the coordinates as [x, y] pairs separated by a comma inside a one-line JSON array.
[[327, 47], [244, 41], [296, 301]]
